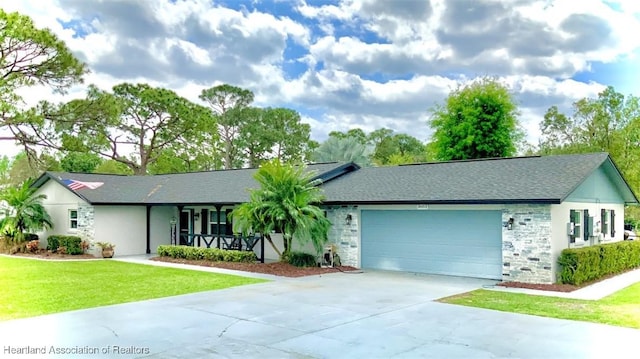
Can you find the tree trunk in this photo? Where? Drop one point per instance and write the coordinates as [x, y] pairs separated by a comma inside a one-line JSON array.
[[273, 245]]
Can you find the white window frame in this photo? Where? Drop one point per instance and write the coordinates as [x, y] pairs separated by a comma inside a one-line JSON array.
[[72, 220], [213, 220]]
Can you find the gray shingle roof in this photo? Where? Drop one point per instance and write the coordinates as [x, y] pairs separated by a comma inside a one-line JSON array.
[[224, 187], [547, 179]]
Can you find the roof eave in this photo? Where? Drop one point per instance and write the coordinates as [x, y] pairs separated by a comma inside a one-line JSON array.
[[450, 202]]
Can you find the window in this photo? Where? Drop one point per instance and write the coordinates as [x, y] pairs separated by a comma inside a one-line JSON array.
[[575, 225], [604, 221], [224, 226], [73, 218]]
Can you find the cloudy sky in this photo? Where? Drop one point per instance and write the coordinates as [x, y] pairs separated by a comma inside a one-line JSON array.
[[353, 64]]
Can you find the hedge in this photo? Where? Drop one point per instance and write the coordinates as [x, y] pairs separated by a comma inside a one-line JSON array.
[[210, 254], [73, 244], [580, 265], [301, 259]]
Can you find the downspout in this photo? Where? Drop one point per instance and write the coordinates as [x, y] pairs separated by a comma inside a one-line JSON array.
[[148, 229]]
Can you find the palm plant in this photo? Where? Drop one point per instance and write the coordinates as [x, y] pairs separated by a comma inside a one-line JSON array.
[[25, 212], [285, 202], [347, 149]]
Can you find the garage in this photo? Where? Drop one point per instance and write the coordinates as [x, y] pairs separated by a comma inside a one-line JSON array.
[[456, 242]]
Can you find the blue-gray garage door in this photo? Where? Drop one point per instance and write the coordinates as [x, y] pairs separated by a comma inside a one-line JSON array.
[[462, 243]]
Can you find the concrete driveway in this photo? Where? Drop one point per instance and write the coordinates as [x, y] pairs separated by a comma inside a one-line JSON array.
[[369, 315]]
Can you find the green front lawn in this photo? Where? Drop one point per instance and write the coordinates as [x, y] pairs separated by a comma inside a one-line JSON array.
[[33, 287], [621, 308]]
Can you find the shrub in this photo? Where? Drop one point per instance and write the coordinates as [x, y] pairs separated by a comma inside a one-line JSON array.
[[53, 242], [580, 265], [72, 244], [31, 237], [33, 246], [210, 254], [301, 259]]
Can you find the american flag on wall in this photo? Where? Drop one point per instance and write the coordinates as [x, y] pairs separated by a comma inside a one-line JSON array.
[[76, 185]]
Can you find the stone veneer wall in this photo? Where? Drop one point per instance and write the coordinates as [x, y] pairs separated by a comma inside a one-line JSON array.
[[86, 226], [345, 237], [526, 249]]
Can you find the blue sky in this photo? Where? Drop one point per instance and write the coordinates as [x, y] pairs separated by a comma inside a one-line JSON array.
[[353, 63]]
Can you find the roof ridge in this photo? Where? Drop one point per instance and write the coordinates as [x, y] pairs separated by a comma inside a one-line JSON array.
[[501, 158]]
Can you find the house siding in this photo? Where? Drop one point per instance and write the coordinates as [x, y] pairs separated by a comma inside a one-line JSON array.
[[597, 188], [345, 237], [160, 229], [58, 203], [527, 254], [560, 218], [86, 227], [124, 226]]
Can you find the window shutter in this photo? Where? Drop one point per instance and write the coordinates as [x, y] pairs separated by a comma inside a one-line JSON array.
[[229, 226], [204, 221], [586, 224], [612, 225], [603, 215]]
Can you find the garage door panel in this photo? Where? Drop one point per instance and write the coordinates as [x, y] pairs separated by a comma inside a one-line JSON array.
[[466, 243]]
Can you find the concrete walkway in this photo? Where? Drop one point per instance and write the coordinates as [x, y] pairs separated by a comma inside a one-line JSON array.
[[594, 291], [144, 259]]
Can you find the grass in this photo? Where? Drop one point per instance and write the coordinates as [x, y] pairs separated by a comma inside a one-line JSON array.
[[621, 308], [34, 287]]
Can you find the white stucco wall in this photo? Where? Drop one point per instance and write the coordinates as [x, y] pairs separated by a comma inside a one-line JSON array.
[[124, 226], [160, 231], [560, 218], [58, 203]]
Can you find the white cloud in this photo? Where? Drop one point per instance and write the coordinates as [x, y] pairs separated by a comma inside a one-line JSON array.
[[364, 64]]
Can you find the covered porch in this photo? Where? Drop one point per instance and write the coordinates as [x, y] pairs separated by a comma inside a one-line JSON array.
[[210, 226]]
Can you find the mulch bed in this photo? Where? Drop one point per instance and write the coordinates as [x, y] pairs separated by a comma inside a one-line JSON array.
[[276, 268], [559, 287], [44, 254], [548, 287]]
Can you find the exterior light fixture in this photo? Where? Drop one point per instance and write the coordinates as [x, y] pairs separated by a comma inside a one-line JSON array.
[[348, 219]]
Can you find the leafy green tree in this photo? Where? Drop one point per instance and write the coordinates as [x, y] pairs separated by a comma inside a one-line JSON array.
[[356, 133], [285, 202], [227, 102], [5, 167], [134, 118], [478, 120], [606, 123], [29, 57], [26, 212], [24, 167], [80, 162], [113, 167], [398, 149], [610, 123], [343, 149], [291, 137]]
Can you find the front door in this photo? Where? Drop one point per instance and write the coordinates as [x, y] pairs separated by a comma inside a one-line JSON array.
[[186, 227]]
